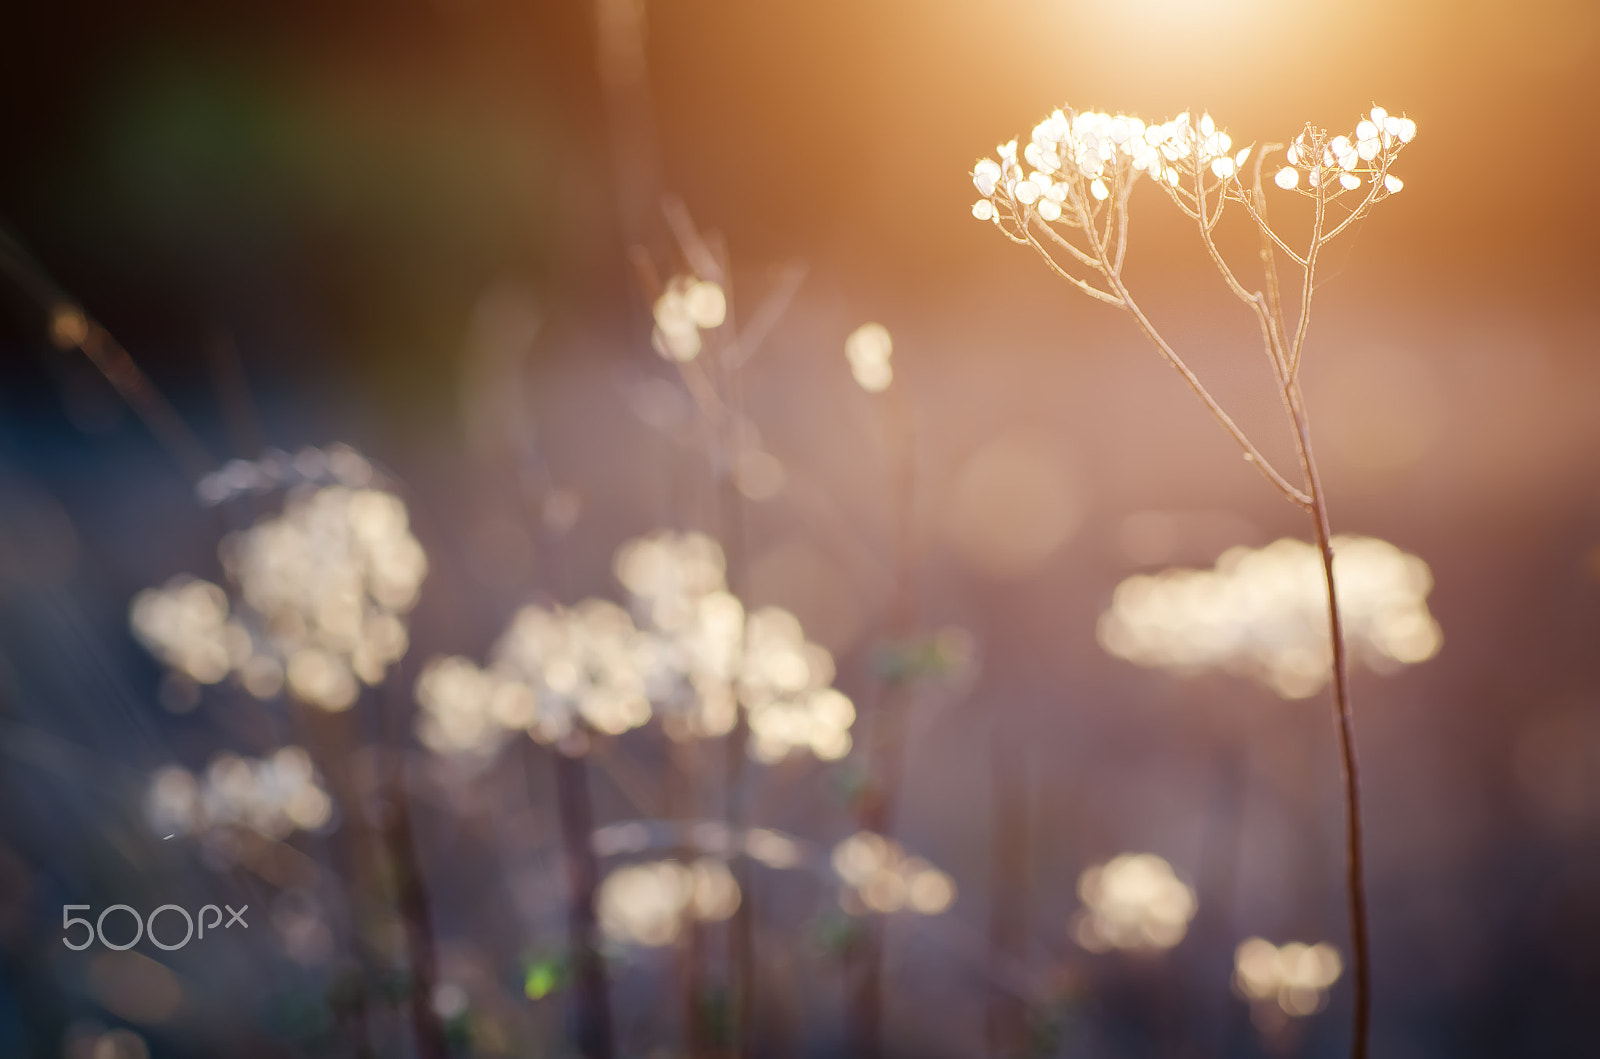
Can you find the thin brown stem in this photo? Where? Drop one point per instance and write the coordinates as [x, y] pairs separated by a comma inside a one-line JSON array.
[[1344, 722], [1251, 453], [1308, 284]]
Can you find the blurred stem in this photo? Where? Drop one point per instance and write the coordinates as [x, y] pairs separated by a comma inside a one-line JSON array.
[[411, 894], [741, 927], [592, 1032], [681, 803], [886, 750], [1008, 885], [71, 327], [411, 889], [332, 752]]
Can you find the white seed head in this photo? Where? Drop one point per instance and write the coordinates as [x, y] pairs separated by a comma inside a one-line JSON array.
[[1288, 177]]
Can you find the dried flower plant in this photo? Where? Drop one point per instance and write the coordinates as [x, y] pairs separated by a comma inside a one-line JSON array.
[[1071, 207]]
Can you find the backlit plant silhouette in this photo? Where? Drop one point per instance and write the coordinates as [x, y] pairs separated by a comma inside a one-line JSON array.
[[1070, 205]]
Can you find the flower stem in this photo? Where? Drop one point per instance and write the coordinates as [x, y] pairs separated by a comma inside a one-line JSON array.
[[1344, 722]]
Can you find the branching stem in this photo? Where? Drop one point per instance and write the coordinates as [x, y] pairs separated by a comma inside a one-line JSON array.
[[1284, 353]]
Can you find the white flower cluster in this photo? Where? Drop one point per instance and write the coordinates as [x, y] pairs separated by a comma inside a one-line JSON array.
[[1073, 153], [647, 904], [185, 624], [333, 577], [550, 669], [1378, 137], [694, 659], [1133, 901], [878, 876], [687, 307], [273, 796], [324, 589], [1264, 613], [1295, 975]]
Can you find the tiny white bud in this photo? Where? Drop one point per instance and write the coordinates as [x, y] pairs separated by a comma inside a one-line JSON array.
[[983, 209], [1288, 178], [1393, 184], [1222, 167], [1349, 181], [985, 175], [1378, 115], [1049, 209], [1026, 192], [1408, 129], [1365, 130], [1098, 189]]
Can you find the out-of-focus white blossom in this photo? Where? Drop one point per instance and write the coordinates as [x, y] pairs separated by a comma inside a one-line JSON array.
[[694, 659], [878, 876], [686, 307], [647, 904], [1296, 976], [1264, 613], [332, 578], [185, 624], [710, 658], [1133, 901], [868, 349], [323, 590], [273, 796]]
